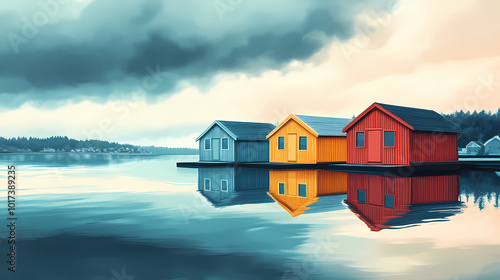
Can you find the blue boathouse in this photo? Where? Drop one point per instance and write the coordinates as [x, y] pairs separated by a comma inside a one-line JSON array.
[[235, 142]]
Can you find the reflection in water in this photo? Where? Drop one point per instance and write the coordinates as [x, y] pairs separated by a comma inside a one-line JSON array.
[[388, 202], [225, 186], [74, 159], [299, 190], [481, 187], [146, 216]]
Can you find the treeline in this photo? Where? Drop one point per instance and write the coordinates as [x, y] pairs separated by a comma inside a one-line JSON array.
[[476, 125], [65, 144]]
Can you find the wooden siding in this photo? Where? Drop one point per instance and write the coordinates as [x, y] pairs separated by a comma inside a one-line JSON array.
[[433, 146], [292, 126], [239, 179], [376, 119], [245, 185], [251, 179], [332, 149], [240, 151], [216, 175], [373, 215], [331, 182], [250, 151], [435, 189], [389, 185], [225, 155], [406, 191], [319, 182]]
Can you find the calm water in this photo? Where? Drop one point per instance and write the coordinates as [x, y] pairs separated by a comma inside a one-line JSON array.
[[139, 217]]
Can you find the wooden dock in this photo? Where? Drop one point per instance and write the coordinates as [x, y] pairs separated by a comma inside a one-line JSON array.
[[415, 169], [264, 165]]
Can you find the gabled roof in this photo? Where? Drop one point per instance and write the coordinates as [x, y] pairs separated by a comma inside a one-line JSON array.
[[496, 137], [476, 143], [294, 212], [327, 203], [317, 126], [423, 213], [372, 225], [413, 118], [318, 204], [217, 199], [243, 131], [408, 216]]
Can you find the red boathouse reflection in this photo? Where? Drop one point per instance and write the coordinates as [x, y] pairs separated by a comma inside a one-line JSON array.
[[386, 202]]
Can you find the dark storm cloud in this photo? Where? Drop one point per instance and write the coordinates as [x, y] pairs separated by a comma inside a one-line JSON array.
[[110, 45], [65, 64], [284, 47], [157, 50]]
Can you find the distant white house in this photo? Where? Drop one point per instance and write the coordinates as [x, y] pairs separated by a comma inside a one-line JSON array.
[[48, 150], [492, 146], [474, 147]]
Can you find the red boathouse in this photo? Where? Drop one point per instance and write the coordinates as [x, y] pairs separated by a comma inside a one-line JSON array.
[[393, 135]]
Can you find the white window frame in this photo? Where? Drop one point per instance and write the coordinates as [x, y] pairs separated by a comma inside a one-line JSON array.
[[307, 146], [278, 143], [205, 144], [227, 144], [227, 190], [205, 184], [284, 188]]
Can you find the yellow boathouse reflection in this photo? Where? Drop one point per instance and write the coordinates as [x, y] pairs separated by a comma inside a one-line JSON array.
[[296, 190]]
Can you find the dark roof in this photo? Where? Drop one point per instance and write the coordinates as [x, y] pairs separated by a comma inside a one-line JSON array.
[[243, 131], [325, 126], [221, 199], [423, 213], [327, 203], [422, 119]]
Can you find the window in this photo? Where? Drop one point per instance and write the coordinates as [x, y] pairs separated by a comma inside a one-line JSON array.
[[302, 143], [361, 197], [225, 144], [224, 185], [389, 201], [207, 185], [281, 143], [207, 144], [281, 187], [389, 138], [303, 190], [360, 139]]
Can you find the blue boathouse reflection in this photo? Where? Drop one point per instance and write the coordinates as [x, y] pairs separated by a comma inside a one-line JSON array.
[[225, 186]]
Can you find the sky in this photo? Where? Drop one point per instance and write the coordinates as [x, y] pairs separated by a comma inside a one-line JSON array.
[[152, 72]]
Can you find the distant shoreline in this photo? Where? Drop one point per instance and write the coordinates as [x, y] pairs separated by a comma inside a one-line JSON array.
[[90, 153]]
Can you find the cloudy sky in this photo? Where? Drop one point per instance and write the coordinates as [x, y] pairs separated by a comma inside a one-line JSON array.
[[158, 72]]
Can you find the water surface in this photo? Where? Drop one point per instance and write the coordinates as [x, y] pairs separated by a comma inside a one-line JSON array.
[[118, 217]]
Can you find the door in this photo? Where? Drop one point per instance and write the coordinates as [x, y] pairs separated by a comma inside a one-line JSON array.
[[292, 147], [375, 190], [215, 149], [374, 146], [292, 183]]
